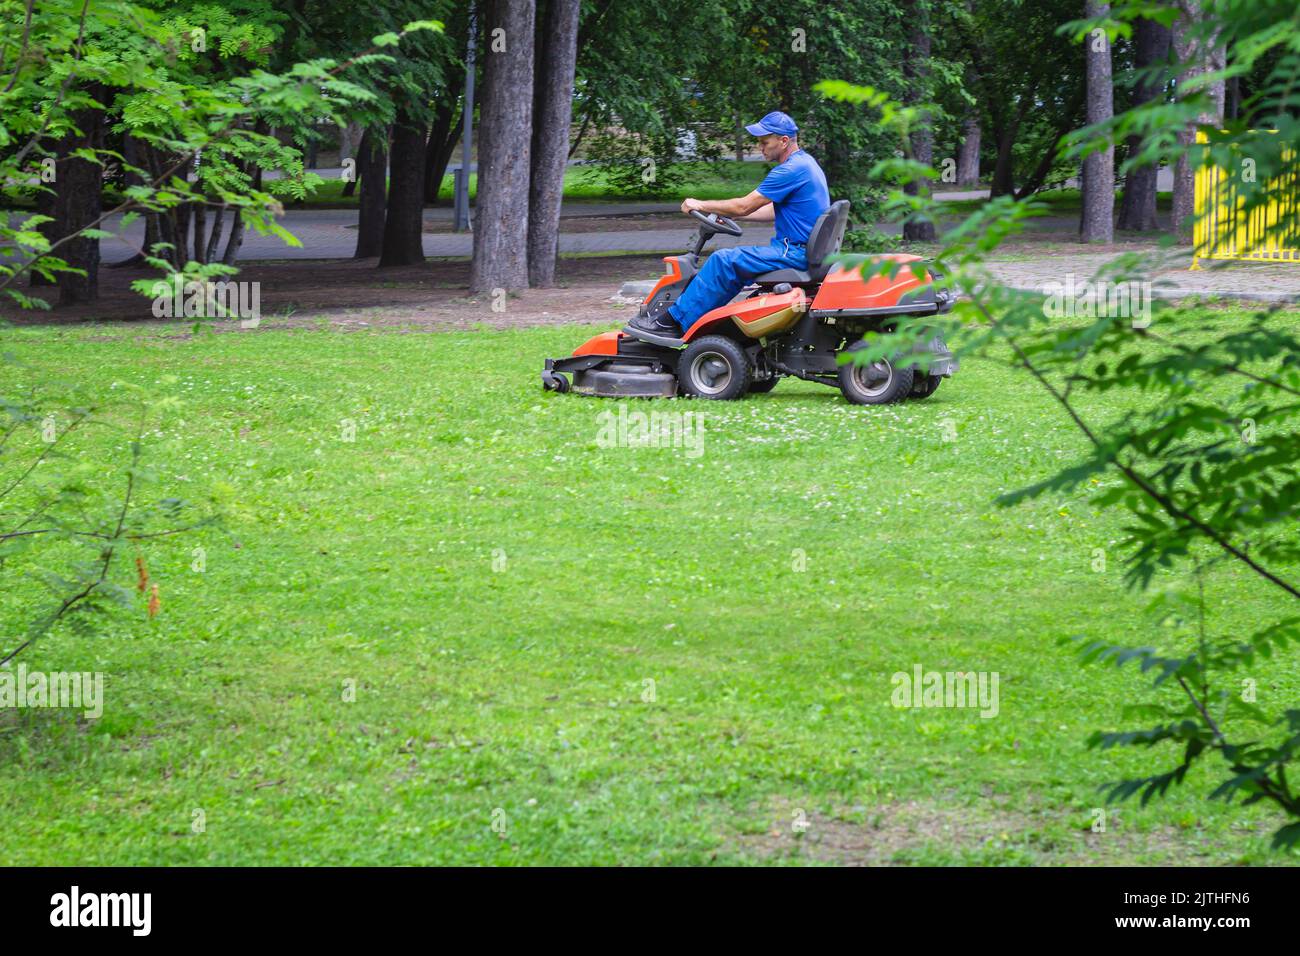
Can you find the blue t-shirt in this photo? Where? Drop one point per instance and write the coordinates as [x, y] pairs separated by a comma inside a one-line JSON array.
[[799, 195]]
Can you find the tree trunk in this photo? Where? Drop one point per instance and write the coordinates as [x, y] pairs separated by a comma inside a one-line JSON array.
[[47, 204], [445, 130], [200, 229], [180, 215], [1097, 218], [404, 224], [236, 239], [80, 185], [214, 238], [968, 154], [443, 135], [582, 131], [162, 222], [552, 112], [1004, 183], [1069, 120], [1137, 209], [1006, 130], [349, 138], [372, 172], [504, 150], [916, 70], [152, 234], [131, 157], [1195, 57]]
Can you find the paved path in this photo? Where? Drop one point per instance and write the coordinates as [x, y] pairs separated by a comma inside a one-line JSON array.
[[1248, 281], [331, 234], [1171, 279]]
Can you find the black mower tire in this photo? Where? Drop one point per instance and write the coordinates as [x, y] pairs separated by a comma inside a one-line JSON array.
[[896, 387], [714, 367], [555, 382], [923, 386]]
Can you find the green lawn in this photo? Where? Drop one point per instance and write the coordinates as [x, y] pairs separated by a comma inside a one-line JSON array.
[[521, 688]]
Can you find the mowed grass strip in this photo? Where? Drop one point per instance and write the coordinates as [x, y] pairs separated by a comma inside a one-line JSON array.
[[500, 591]]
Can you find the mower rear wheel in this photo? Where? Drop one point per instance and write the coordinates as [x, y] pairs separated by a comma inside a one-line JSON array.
[[877, 384], [715, 367], [923, 386]]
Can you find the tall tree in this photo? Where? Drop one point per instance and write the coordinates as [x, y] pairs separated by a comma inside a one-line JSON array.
[[443, 136], [445, 131], [968, 153], [372, 174], [552, 114], [917, 70], [404, 221], [1097, 218], [78, 186], [968, 149], [500, 258], [1138, 205], [1028, 81], [1196, 56]]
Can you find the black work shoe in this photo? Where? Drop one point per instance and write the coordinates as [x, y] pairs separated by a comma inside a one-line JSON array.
[[662, 326], [659, 331]]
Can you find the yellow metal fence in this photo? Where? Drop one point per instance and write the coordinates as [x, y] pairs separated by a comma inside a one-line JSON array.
[[1224, 230]]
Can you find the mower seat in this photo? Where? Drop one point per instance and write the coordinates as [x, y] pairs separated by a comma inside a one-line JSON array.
[[823, 242]]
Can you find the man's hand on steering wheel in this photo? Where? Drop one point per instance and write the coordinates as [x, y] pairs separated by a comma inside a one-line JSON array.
[[688, 205], [715, 223]]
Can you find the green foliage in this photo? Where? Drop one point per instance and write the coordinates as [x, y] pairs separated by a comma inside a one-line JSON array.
[[1201, 460], [193, 86], [1023, 80], [632, 166], [205, 107], [871, 239], [70, 522], [650, 70]]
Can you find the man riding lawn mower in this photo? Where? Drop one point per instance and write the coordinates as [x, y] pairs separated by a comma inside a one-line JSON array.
[[802, 312]]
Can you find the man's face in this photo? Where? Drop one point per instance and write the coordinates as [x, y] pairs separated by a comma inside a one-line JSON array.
[[772, 146]]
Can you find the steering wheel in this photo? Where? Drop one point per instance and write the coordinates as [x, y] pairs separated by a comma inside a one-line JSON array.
[[717, 223]]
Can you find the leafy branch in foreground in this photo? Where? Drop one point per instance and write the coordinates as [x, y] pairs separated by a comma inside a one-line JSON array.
[[65, 524], [1204, 458], [116, 58]]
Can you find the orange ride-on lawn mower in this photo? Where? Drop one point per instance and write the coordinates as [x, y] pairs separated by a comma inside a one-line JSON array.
[[790, 322]]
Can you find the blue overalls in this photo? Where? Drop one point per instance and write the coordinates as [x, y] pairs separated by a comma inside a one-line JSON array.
[[727, 271]]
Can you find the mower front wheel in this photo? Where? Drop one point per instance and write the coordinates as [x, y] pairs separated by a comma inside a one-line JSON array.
[[715, 367], [554, 382], [879, 383]]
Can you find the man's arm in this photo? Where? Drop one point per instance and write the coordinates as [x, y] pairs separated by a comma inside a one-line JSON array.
[[740, 207]]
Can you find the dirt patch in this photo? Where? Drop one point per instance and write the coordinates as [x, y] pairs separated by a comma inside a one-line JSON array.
[[901, 833], [348, 293]]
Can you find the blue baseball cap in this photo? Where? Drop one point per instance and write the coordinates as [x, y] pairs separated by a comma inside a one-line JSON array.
[[773, 124]]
